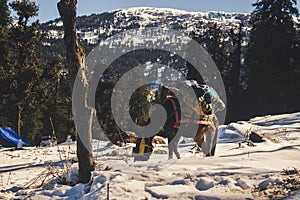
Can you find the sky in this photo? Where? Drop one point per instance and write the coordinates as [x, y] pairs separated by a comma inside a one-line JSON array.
[[48, 10]]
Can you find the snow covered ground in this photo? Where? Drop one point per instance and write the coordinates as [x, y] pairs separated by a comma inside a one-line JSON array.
[[268, 170]]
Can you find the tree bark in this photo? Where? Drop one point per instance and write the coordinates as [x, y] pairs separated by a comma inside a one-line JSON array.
[[75, 63], [19, 119]]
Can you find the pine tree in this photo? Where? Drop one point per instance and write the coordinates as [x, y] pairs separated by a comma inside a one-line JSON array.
[[4, 32], [268, 56], [4, 69], [104, 110], [139, 106], [26, 65], [56, 96], [232, 76], [213, 41], [295, 77], [235, 59]]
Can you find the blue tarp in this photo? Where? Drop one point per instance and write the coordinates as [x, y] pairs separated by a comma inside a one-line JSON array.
[[9, 138]]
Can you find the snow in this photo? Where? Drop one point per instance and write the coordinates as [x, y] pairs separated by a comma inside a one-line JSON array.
[[238, 171], [164, 18]]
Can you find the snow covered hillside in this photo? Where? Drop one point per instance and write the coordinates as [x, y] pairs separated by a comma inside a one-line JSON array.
[[98, 26], [240, 170]]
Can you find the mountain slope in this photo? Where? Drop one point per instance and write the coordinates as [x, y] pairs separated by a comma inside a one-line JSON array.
[[106, 24], [91, 29]]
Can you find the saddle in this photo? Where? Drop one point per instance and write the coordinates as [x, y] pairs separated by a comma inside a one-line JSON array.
[[191, 108]]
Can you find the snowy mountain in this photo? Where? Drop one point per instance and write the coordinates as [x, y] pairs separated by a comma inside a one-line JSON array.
[[98, 26]]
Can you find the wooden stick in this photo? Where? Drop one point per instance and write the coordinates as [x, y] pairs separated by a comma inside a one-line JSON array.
[[53, 134], [107, 193]]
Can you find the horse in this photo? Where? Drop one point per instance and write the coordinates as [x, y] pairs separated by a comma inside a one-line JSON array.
[[205, 136]]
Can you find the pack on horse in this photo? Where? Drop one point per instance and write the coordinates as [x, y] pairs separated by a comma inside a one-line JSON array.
[[201, 114]]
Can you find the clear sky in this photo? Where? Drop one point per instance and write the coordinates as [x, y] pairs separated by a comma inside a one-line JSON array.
[[48, 9]]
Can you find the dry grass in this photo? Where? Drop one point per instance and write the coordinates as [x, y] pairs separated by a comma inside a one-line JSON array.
[[43, 179], [53, 172], [290, 183]]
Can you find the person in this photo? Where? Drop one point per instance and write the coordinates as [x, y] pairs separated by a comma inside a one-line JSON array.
[[208, 105], [211, 104], [68, 140], [19, 145], [37, 139]]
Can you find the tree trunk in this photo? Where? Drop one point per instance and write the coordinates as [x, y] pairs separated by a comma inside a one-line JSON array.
[[75, 63], [19, 119]]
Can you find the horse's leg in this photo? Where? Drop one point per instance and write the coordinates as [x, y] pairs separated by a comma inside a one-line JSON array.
[[171, 145], [175, 146], [170, 148], [169, 136]]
